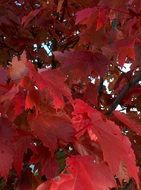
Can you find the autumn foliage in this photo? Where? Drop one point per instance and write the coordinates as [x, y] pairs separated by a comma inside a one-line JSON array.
[[70, 115]]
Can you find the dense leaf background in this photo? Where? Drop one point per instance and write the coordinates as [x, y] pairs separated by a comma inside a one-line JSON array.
[[70, 110]]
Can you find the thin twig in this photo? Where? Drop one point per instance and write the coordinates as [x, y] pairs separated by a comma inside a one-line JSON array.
[[123, 92]]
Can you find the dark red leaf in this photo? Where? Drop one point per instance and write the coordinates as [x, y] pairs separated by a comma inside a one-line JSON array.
[[52, 129]]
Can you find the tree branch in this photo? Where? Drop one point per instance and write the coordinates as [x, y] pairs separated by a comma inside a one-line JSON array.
[[123, 92]]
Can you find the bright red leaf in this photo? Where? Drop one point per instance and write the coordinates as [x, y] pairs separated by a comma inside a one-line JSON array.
[[46, 81], [83, 173], [61, 78], [110, 138]]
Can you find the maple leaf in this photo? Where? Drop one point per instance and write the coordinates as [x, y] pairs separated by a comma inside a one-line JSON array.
[[33, 95], [18, 68], [86, 145], [82, 4], [10, 94], [91, 94], [15, 107], [127, 121], [52, 129], [83, 174], [6, 156], [31, 15], [87, 39], [22, 142], [110, 139], [13, 146], [80, 122], [45, 80], [57, 90], [53, 83], [32, 99], [44, 162], [44, 186], [94, 21], [73, 63], [13, 101], [101, 18], [83, 16], [27, 181], [18, 103], [6, 150], [124, 49]]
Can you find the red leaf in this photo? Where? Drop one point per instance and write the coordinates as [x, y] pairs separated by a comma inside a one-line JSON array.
[[94, 33], [86, 146], [91, 94], [6, 160], [27, 19], [44, 186], [32, 99], [74, 62], [113, 3], [13, 146], [82, 17], [52, 129], [27, 181], [47, 164], [53, 83], [45, 80], [127, 121], [9, 95], [101, 18], [84, 174], [23, 142], [124, 49], [110, 139], [6, 150]]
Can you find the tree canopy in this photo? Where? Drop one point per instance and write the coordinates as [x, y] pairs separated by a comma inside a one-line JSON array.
[[70, 95]]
